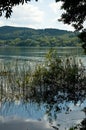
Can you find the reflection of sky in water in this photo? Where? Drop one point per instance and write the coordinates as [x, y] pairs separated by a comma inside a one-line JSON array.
[[18, 111], [29, 110], [15, 123], [69, 120]]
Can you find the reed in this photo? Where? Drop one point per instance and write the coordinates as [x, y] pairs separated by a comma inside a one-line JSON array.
[[13, 80]]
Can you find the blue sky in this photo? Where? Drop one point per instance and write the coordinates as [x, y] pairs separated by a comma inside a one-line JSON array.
[[38, 15]]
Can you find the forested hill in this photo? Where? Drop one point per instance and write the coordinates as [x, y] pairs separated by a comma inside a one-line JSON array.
[[20, 36]]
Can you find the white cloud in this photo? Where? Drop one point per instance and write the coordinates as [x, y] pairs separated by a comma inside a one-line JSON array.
[[1, 23], [41, 14], [29, 12], [23, 15], [55, 7], [57, 12]]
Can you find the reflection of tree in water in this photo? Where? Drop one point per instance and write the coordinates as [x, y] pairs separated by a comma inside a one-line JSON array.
[[83, 125]]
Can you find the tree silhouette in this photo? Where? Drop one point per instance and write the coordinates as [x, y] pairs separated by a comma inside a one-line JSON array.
[[75, 14], [7, 5]]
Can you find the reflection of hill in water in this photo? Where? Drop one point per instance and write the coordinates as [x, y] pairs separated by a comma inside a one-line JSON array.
[[39, 52]]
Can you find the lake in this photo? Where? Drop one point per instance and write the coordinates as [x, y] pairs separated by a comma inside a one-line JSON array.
[[30, 52], [30, 115]]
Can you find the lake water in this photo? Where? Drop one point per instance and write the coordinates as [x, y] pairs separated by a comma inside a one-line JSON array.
[[30, 116], [26, 52]]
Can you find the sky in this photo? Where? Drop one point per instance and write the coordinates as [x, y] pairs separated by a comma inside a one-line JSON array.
[[38, 15]]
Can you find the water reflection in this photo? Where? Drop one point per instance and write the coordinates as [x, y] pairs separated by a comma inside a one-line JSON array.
[[15, 123], [38, 52], [33, 116], [26, 110]]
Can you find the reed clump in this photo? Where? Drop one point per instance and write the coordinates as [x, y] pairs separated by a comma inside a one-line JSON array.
[[59, 78]]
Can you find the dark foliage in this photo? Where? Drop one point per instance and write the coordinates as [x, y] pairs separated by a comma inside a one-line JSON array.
[[82, 36], [83, 125], [7, 5], [75, 14]]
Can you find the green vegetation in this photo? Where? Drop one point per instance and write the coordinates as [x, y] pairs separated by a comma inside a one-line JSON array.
[[65, 75], [16, 36], [13, 80], [44, 82]]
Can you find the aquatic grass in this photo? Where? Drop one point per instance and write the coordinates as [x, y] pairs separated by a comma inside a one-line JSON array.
[[57, 78], [13, 79]]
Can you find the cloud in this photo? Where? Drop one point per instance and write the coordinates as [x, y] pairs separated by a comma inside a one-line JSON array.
[[55, 7], [1, 23], [25, 15], [30, 14], [57, 12]]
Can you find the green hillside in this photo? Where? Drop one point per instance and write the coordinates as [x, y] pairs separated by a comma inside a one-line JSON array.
[[20, 36]]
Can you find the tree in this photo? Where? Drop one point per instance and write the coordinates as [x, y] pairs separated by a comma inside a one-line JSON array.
[[75, 14], [7, 5]]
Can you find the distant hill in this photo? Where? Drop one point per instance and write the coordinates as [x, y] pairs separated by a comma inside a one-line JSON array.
[[21, 36]]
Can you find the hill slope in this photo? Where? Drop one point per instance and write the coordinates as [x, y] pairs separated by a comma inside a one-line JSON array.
[[20, 36]]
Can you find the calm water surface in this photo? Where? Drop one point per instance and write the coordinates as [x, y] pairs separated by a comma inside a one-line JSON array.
[[37, 52]]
